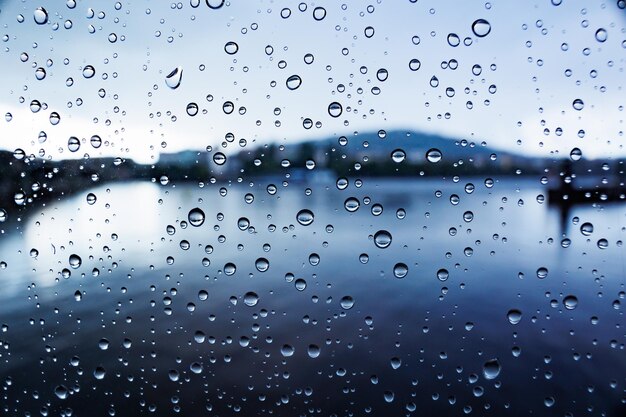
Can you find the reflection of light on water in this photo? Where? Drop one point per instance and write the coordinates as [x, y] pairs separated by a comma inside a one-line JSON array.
[[125, 218]]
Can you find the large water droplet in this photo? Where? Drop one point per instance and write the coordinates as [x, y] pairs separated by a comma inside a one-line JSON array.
[[41, 16], [293, 82], [586, 229], [335, 109], [287, 350], [442, 274], [601, 35], [352, 204], [319, 13], [514, 316], [481, 28], [174, 78], [262, 264], [434, 155], [313, 351], [231, 48], [99, 372], [576, 154], [196, 217], [491, 369], [570, 302], [400, 270], [215, 4], [398, 155], [73, 144], [453, 40], [250, 299], [89, 71], [578, 104], [347, 302], [382, 239], [61, 391], [75, 261], [305, 217]]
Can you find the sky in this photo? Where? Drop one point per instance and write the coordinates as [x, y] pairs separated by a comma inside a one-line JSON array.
[[536, 60]]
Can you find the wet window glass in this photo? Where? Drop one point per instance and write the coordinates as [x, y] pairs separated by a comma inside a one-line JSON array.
[[333, 208]]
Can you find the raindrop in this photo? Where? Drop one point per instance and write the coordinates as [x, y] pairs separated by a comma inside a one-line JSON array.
[[434, 155], [215, 4], [55, 118], [382, 74], [99, 372], [514, 316], [196, 217], [95, 141], [601, 35], [174, 78], [347, 302], [576, 154], [231, 48], [542, 273], [196, 368], [319, 13], [287, 350], [73, 144], [369, 32], [192, 109], [395, 362], [103, 344], [400, 270], [352, 204], [491, 369], [262, 264], [300, 284], [335, 109], [382, 239], [414, 64], [250, 299], [219, 158], [398, 156], [293, 82], [481, 28], [89, 71], [61, 391], [586, 229], [453, 40], [230, 269], [313, 351], [570, 302], [443, 274], [578, 104], [603, 243], [41, 16], [305, 217], [75, 261]]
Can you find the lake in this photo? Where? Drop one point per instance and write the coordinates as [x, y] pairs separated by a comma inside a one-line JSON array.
[[416, 297]]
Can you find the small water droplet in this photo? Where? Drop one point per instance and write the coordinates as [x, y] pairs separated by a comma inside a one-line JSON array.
[[542, 273], [300, 284], [192, 109], [601, 35], [443, 274], [313, 351], [395, 362], [400, 270], [319, 13], [61, 391], [215, 4], [352, 204], [231, 48], [262, 264], [453, 40], [75, 261], [287, 350], [398, 155], [99, 373], [576, 154], [586, 229], [73, 144], [89, 71], [578, 104]]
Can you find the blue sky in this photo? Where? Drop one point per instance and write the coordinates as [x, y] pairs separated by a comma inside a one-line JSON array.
[[526, 56]]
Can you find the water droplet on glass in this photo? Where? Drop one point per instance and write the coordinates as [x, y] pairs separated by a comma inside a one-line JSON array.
[[434, 155], [196, 368], [369, 32], [95, 141], [300, 284], [335, 109], [99, 372], [319, 13], [351, 204], [395, 362], [250, 299], [382, 239], [491, 369], [262, 264], [398, 156], [103, 344], [173, 79], [215, 4], [196, 217], [347, 302], [514, 316], [453, 40], [41, 16], [443, 274], [578, 104], [73, 144], [305, 217], [570, 302], [230, 269], [414, 64], [89, 71], [542, 273], [382, 74], [61, 391], [75, 261], [601, 35], [231, 48], [400, 270], [481, 28], [576, 154], [219, 158], [313, 351], [192, 109], [287, 350], [293, 82], [586, 229]]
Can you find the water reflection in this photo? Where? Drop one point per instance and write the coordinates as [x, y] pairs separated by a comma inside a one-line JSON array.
[[174, 304]]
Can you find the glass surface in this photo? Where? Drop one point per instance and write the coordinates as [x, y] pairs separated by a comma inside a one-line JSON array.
[[351, 208]]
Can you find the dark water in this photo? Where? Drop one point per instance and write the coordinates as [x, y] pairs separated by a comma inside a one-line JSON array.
[[172, 352]]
